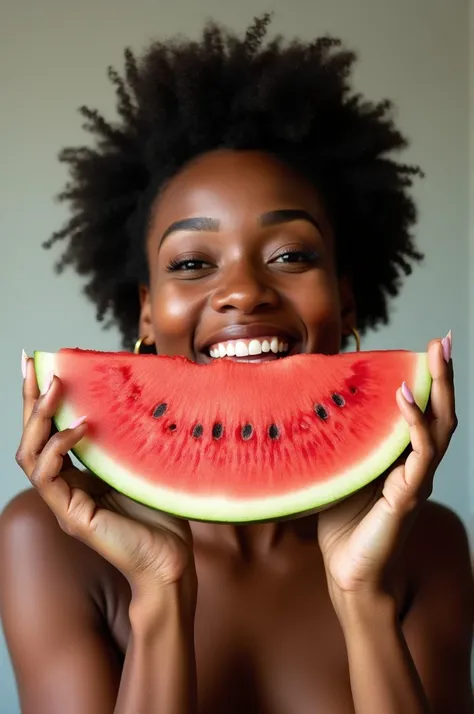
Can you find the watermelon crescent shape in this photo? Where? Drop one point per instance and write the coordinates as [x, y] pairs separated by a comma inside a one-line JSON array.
[[237, 442]]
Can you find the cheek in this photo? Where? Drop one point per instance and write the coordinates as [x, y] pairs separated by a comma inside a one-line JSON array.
[[175, 315], [318, 307], [319, 302]]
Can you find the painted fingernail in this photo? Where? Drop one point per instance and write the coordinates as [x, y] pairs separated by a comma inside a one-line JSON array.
[[406, 391], [48, 383], [447, 344], [77, 422], [24, 361]]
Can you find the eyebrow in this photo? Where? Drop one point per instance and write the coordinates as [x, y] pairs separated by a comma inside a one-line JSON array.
[[271, 218], [287, 215]]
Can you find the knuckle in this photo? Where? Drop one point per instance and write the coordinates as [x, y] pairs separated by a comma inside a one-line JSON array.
[[36, 410], [68, 527], [20, 456], [55, 448], [79, 517], [411, 504], [452, 424], [55, 442], [418, 422], [430, 452], [39, 477]]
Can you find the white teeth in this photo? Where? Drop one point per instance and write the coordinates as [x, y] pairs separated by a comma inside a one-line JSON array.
[[241, 349], [244, 348], [255, 348]]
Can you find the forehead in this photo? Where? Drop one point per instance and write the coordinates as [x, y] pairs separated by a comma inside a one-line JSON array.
[[236, 187]]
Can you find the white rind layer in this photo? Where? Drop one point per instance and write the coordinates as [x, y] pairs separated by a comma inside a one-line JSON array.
[[218, 508]]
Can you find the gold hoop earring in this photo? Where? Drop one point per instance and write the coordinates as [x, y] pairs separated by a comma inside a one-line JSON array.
[[356, 336], [141, 347], [138, 344]]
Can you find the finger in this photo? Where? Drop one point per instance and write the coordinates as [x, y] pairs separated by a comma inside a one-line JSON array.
[[38, 428], [30, 389], [110, 534], [419, 466], [85, 480], [45, 476], [442, 399]]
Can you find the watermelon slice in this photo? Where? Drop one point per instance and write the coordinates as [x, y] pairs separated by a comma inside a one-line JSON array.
[[237, 442]]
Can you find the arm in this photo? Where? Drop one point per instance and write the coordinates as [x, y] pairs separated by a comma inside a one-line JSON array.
[[160, 671], [62, 657], [423, 668], [60, 648]]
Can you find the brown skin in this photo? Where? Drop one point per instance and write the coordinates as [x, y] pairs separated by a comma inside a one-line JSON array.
[[367, 607]]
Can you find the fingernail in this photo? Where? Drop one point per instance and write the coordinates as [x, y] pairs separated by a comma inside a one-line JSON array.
[[48, 383], [77, 422], [24, 360], [447, 344], [406, 391]]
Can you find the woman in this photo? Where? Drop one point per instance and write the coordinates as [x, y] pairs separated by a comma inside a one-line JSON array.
[[244, 192]]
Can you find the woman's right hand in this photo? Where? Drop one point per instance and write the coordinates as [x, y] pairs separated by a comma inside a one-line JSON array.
[[151, 549]]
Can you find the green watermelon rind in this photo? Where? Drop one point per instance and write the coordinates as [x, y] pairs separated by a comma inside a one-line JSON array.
[[226, 510]]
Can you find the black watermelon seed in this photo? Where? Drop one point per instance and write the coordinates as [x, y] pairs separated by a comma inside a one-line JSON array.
[[320, 411], [198, 431], [353, 390], [172, 427], [217, 431], [247, 431], [273, 431], [338, 400], [160, 410]]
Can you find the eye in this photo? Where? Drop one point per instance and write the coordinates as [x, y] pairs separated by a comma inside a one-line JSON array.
[[297, 256], [188, 265]]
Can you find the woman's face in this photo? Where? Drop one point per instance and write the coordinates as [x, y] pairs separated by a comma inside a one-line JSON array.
[[242, 264]]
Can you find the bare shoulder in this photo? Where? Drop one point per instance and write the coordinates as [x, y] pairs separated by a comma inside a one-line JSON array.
[[438, 569], [34, 548], [439, 538], [438, 625], [27, 521], [27, 509]]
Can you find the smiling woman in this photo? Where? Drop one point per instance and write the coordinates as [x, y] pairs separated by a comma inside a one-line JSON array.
[[245, 205], [294, 107]]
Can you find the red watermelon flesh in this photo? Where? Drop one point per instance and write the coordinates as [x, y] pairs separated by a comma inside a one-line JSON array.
[[237, 442]]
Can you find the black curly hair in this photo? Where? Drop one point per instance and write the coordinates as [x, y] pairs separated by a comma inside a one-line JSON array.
[[294, 100]]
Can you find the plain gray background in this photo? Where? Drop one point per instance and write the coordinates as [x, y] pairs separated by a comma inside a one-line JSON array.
[[53, 57]]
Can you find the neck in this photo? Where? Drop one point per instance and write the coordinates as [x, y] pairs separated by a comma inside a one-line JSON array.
[[246, 541], [258, 539]]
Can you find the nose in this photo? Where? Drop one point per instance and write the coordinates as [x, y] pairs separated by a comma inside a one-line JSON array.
[[244, 290]]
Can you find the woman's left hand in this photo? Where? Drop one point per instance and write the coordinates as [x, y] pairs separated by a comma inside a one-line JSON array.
[[361, 536]]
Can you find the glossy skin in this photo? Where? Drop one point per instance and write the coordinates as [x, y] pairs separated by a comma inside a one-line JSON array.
[[286, 617]]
